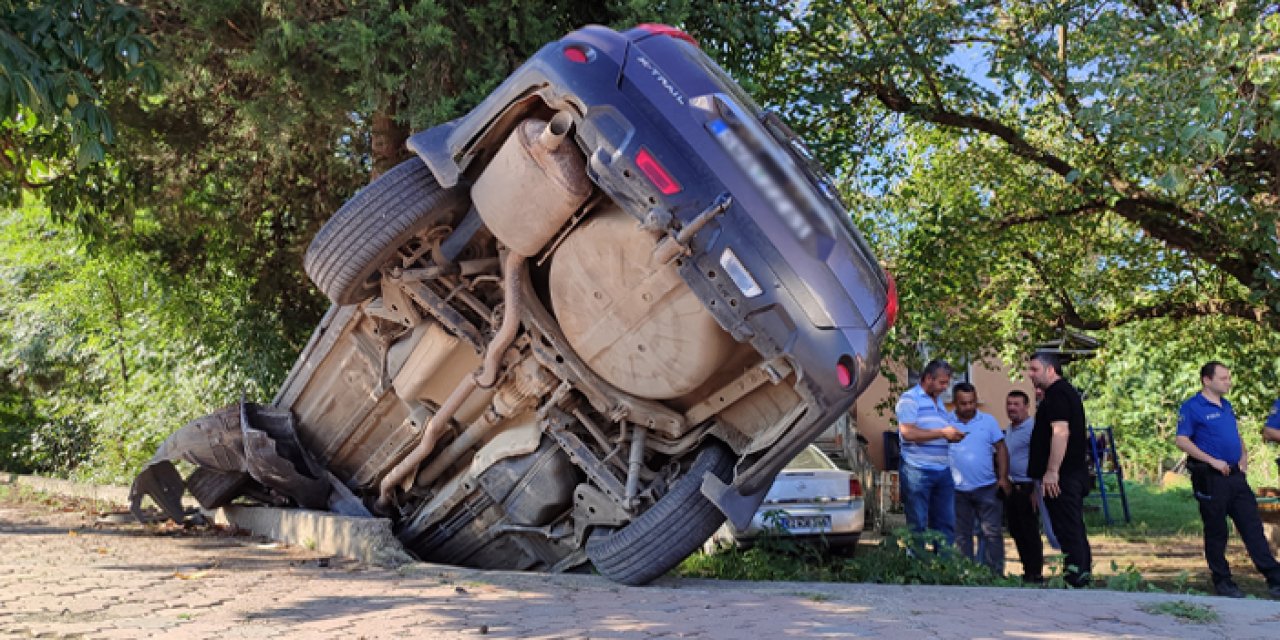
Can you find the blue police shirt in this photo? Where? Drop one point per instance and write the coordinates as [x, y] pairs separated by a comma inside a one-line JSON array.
[[1211, 427], [973, 459], [1273, 418], [915, 407]]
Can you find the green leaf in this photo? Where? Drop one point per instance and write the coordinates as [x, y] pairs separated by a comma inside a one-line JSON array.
[[1208, 106], [1171, 180]]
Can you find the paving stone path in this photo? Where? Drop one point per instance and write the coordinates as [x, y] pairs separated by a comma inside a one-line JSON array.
[[62, 575]]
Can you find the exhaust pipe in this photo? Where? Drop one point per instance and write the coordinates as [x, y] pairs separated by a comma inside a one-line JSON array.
[[483, 378]]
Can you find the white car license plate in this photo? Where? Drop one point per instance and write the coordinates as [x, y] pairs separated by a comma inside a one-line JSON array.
[[807, 523]]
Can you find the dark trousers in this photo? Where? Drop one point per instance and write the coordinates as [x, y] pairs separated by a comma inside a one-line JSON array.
[[981, 506], [1222, 496], [1066, 513], [1024, 527]]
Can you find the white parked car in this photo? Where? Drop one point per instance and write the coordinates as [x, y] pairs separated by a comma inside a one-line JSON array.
[[811, 500]]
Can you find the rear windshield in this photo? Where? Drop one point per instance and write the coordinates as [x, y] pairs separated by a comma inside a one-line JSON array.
[[697, 57], [810, 458]]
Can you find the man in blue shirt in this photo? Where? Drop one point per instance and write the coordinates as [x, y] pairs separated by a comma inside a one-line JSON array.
[[924, 429], [1208, 433], [981, 478]]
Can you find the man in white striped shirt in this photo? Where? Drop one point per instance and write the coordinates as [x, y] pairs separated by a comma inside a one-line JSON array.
[[925, 429]]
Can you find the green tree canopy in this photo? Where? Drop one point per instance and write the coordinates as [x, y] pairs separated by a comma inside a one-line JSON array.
[[215, 137], [60, 62], [1027, 168], [203, 144], [1033, 165]]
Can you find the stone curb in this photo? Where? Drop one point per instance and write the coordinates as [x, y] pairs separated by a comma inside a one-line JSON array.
[[368, 540]]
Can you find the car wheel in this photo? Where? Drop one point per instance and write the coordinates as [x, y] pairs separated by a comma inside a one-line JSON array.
[[674, 527], [346, 256]]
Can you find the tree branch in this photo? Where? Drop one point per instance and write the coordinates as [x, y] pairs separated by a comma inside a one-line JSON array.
[[1177, 311], [1172, 309], [924, 70], [1165, 221], [1173, 229], [893, 98], [1088, 207], [1068, 307]]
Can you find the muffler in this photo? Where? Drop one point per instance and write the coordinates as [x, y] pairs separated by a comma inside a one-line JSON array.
[[533, 186]]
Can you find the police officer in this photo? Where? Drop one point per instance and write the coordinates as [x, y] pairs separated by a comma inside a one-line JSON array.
[[1208, 433]]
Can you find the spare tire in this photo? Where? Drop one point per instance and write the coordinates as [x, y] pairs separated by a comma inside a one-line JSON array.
[[346, 256], [674, 527]]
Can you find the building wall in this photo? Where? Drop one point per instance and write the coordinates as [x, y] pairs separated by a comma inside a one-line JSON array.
[[990, 377]]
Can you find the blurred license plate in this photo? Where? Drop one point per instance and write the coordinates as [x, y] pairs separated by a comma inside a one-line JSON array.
[[807, 523]]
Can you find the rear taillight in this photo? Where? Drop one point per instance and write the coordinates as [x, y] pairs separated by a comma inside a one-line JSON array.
[[844, 372], [578, 53], [891, 307], [855, 488], [667, 30], [656, 173]]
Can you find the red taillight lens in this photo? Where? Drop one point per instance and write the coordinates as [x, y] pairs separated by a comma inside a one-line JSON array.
[[855, 488], [891, 307], [843, 375], [656, 173], [576, 53], [667, 30], [844, 372]]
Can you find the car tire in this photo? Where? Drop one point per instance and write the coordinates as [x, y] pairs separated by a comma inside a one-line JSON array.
[[345, 257], [674, 527]]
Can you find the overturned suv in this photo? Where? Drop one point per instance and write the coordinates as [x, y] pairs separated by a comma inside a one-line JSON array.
[[587, 322]]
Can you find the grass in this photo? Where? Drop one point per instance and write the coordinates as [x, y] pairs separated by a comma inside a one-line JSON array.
[[1156, 511], [1159, 550], [22, 495], [1184, 610], [18, 494], [775, 557]]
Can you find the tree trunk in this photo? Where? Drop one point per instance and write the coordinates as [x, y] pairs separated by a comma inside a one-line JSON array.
[[388, 142], [118, 313]]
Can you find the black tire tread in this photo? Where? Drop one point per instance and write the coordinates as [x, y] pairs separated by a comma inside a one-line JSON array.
[[367, 230], [674, 527]]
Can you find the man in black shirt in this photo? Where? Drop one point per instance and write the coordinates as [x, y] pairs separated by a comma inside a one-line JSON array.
[[1058, 460]]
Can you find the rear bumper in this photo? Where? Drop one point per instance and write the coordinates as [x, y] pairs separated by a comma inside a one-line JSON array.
[[846, 526], [845, 520]]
